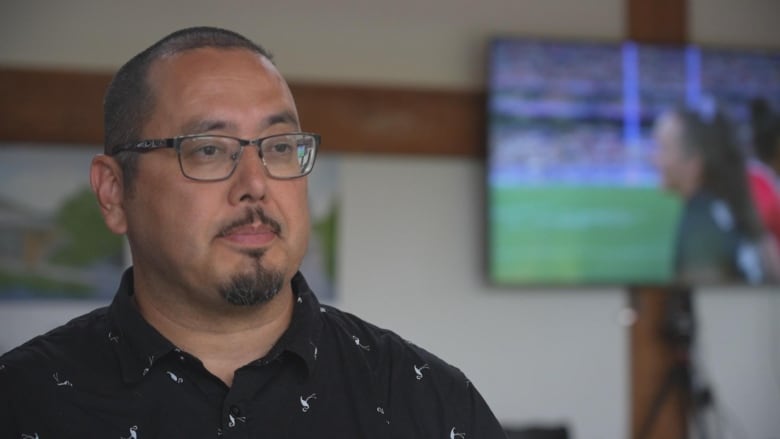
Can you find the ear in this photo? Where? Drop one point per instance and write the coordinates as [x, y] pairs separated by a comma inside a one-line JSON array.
[[105, 176]]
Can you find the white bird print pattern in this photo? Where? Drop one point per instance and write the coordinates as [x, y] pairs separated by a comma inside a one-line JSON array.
[[315, 348], [133, 433], [151, 363], [357, 342], [418, 370], [59, 382], [175, 378], [454, 435], [232, 420], [305, 402], [381, 411]]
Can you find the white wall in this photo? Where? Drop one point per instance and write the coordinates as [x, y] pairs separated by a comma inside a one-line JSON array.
[[434, 42], [412, 254], [411, 250]]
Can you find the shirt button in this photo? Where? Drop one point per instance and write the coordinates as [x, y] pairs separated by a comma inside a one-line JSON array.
[[235, 411]]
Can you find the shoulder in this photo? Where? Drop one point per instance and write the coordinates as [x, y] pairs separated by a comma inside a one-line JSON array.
[[706, 212], [63, 345], [35, 375], [419, 392], [389, 355], [361, 332]]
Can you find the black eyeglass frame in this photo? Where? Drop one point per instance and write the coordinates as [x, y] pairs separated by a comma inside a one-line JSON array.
[[143, 146]]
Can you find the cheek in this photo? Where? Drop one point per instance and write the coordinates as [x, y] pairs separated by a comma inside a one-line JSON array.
[[170, 220], [295, 208], [299, 217], [666, 161]]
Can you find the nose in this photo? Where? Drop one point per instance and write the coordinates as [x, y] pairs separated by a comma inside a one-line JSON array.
[[250, 179]]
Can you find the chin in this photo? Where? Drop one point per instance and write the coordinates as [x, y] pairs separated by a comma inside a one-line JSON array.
[[254, 286]]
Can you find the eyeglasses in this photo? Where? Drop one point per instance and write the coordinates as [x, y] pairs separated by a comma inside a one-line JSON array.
[[205, 157]]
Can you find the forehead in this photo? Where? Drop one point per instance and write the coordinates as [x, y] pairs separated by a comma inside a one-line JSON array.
[[218, 83], [204, 59], [668, 122], [668, 130]]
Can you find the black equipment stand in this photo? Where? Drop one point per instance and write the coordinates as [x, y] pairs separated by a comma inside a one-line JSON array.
[[679, 330]]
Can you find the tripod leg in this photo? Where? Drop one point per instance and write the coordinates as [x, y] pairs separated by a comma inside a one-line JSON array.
[[672, 379]]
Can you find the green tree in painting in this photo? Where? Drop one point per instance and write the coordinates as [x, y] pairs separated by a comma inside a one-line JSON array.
[[326, 230], [86, 238]]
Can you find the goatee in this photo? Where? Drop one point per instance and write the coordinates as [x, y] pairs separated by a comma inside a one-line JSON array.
[[261, 285], [255, 288]]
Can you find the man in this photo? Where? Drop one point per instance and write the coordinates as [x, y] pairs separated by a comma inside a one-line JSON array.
[[213, 332]]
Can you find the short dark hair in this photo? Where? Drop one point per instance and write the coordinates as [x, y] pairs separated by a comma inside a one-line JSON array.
[[711, 136], [129, 98], [765, 127]]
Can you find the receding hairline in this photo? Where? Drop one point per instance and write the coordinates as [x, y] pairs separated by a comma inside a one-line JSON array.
[[169, 56], [129, 95], [288, 115], [175, 51], [198, 38]]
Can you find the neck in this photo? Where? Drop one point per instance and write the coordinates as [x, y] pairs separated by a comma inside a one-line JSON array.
[[224, 339]]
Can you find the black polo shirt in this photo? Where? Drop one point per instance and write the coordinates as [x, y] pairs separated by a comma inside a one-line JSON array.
[[109, 374]]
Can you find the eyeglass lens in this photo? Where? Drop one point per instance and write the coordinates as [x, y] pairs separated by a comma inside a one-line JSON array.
[[215, 158]]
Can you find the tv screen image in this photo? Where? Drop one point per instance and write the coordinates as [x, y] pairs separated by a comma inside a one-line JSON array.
[[574, 190]]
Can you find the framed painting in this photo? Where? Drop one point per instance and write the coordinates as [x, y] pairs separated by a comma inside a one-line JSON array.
[[53, 243]]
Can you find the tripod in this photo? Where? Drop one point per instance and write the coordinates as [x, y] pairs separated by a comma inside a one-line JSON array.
[[679, 332]]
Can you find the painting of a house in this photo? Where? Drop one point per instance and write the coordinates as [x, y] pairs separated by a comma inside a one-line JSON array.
[[53, 243], [24, 237]]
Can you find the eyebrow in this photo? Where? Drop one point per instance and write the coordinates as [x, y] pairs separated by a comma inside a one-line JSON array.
[[198, 126], [285, 117]]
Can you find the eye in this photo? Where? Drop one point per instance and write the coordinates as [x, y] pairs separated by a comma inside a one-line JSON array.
[[281, 148], [204, 149], [208, 150]]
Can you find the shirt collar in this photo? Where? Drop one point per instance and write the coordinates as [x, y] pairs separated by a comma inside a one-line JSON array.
[[139, 346], [303, 335]]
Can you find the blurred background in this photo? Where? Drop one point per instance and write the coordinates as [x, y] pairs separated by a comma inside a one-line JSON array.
[[410, 250]]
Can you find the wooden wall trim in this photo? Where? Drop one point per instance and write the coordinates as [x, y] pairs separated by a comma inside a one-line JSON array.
[[51, 106], [59, 106], [652, 359], [401, 121], [665, 22], [658, 21]]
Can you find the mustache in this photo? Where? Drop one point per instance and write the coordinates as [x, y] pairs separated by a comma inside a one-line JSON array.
[[252, 215]]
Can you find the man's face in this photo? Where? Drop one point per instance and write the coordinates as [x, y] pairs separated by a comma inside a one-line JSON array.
[[679, 169], [204, 239]]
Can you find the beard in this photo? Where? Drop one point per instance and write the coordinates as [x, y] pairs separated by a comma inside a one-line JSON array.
[[253, 288], [261, 284]]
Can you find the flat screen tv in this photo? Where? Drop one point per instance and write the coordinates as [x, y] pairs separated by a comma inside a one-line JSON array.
[[574, 191]]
